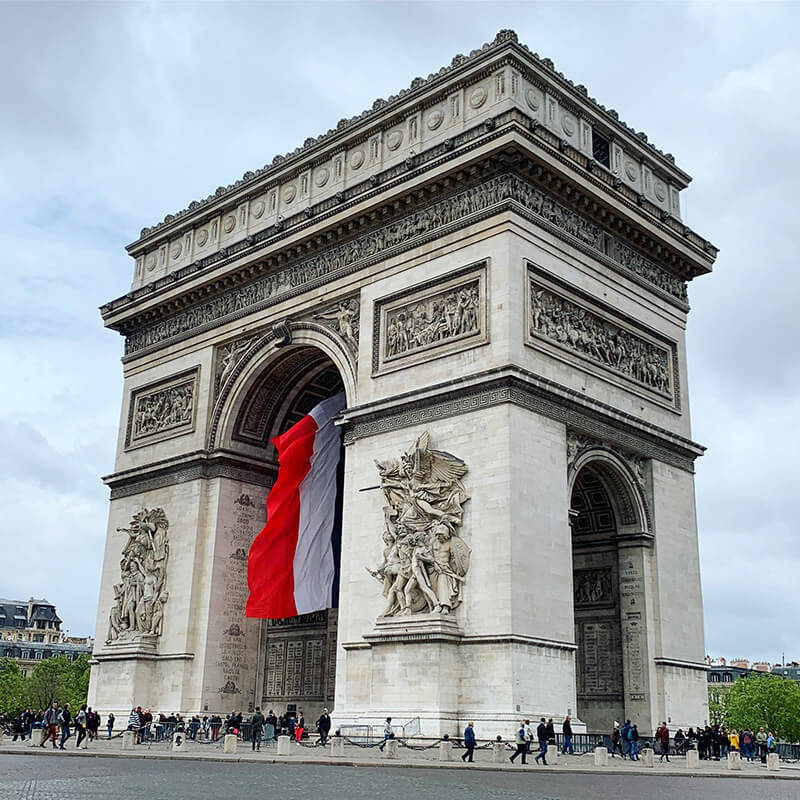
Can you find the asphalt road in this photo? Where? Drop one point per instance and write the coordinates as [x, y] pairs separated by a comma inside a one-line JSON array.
[[57, 777]]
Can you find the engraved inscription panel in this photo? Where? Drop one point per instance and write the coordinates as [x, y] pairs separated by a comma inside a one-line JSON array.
[[600, 671], [273, 678], [162, 410], [437, 318]]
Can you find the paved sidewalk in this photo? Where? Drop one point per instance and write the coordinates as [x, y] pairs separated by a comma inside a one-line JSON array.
[[406, 757]]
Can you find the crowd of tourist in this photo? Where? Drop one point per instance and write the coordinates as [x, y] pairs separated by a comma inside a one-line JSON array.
[[59, 723]]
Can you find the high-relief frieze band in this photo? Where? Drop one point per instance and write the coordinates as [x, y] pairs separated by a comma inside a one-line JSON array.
[[438, 317], [560, 317], [163, 409], [426, 222]]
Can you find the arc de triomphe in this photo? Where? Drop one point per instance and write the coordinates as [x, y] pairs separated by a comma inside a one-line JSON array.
[[493, 268]]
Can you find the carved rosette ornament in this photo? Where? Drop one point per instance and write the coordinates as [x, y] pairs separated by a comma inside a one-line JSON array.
[[425, 562], [139, 599]]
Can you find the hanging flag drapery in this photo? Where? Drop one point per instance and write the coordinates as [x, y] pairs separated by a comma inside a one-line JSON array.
[[291, 569]]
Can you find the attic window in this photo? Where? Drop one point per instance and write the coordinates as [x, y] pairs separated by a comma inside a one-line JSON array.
[[601, 149]]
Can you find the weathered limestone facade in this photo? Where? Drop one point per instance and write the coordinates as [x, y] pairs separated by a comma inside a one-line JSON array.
[[493, 268]]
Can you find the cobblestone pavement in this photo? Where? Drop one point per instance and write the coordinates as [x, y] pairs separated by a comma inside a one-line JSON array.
[[54, 776]]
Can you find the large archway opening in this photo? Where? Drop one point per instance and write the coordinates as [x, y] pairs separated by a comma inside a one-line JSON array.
[[597, 520], [297, 656]]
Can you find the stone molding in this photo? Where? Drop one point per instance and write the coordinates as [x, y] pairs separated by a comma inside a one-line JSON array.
[[198, 465], [538, 71], [434, 298], [529, 391], [168, 406], [497, 194], [677, 663], [562, 318], [483, 639]]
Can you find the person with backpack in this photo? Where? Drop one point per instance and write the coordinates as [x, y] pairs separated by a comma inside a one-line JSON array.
[[65, 719], [616, 741], [522, 746], [633, 739], [80, 726], [626, 741], [747, 744]]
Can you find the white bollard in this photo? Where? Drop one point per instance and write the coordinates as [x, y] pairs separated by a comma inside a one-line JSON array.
[[2, 734], [391, 748], [601, 757], [648, 757], [498, 753], [128, 740], [178, 742], [773, 762], [229, 743], [337, 746], [85, 743], [284, 746], [552, 754], [37, 737], [445, 751], [734, 760], [692, 759]]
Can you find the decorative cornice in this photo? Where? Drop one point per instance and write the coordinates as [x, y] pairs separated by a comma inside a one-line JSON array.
[[503, 192], [677, 663], [197, 465], [530, 391], [381, 108]]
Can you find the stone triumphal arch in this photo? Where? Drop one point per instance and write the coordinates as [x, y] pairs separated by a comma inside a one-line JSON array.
[[492, 267]]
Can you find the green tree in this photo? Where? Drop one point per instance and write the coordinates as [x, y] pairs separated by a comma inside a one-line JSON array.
[[765, 700], [13, 692], [59, 679]]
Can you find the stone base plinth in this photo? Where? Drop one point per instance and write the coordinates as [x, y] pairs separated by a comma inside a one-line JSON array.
[[692, 759], [128, 740], [84, 743], [178, 742], [337, 746], [391, 748], [498, 752], [600, 757], [445, 751], [284, 746], [773, 762], [229, 743], [734, 760], [648, 757], [142, 644], [552, 754]]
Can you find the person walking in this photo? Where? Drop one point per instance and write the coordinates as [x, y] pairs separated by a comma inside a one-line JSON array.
[[626, 741], [747, 744], [388, 733], [50, 722], [299, 727], [633, 738], [551, 731], [80, 726], [680, 743], [66, 719], [761, 741], [256, 728], [566, 730], [616, 741], [662, 734], [541, 736], [522, 747], [110, 724], [528, 735], [469, 742], [324, 726]]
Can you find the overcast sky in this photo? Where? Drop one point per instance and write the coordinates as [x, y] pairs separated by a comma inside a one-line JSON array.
[[113, 115]]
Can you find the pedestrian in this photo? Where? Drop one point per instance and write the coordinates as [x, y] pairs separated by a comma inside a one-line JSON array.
[[18, 727], [110, 724], [626, 739], [747, 744], [256, 728], [324, 726], [80, 726], [616, 741], [541, 736], [761, 742], [733, 740], [680, 742], [300, 727], [528, 735], [273, 721], [772, 745], [522, 746], [469, 742], [551, 731], [633, 738], [50, 721], [566, 730], [66, 718], [388, 733], [662, 734]]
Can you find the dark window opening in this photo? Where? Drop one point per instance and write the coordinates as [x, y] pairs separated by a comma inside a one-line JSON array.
[[601, 149]]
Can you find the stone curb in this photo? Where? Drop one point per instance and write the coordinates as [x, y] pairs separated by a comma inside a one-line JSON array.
[[395, 764]]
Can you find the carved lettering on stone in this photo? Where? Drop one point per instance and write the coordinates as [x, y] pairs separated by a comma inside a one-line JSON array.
[[344, 319], [425, 562], [162, 410], [140, 597], [425, 222], [603, 341]]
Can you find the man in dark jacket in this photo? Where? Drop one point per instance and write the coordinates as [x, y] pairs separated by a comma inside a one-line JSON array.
[[324, 726], [566, 729], [66, 719], [551, 731], [256, 728], [541, 735], [469, 742]]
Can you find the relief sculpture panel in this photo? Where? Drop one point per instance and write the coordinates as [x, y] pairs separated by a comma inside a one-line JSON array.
[[436, 318]]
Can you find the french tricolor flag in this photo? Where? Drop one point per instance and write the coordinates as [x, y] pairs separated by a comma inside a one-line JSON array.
[[293, 561]]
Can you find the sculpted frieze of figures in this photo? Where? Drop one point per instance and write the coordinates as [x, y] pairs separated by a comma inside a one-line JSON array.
[[162, 410], [281, 282], [592, 586], [140, 597], [425, 561], [561, 320], [343, 317]]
